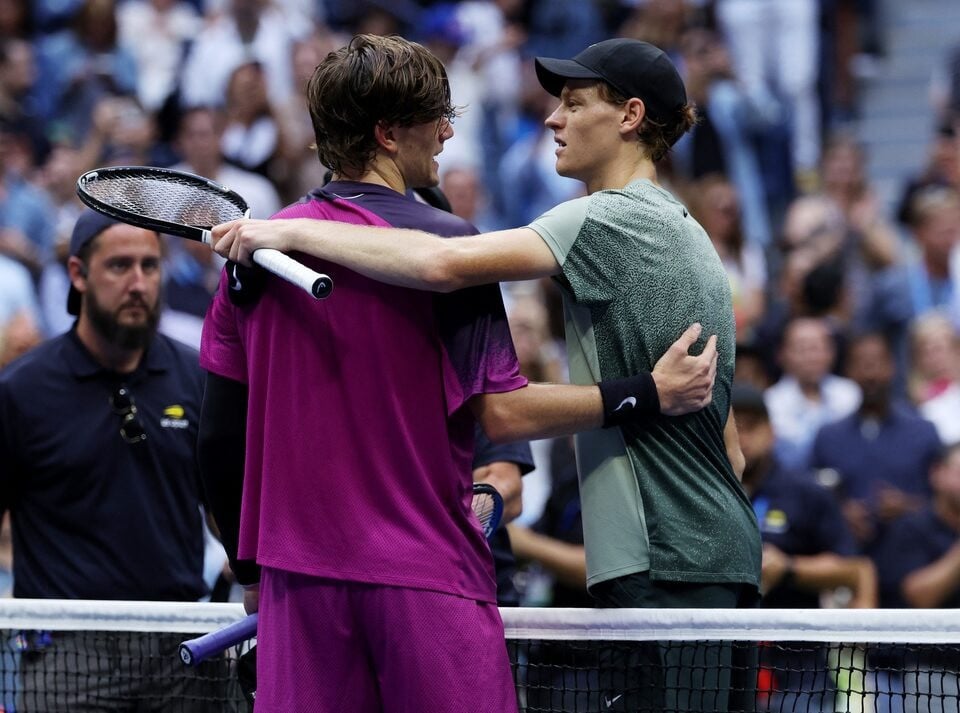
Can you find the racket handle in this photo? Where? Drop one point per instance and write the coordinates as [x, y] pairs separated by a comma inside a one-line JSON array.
[[194, 651], [282, 265]]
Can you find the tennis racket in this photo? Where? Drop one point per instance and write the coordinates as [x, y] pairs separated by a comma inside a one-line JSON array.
[[488, 507], [185, 205]]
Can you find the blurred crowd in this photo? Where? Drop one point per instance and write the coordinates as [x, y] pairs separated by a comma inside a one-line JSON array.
[[847, 309]]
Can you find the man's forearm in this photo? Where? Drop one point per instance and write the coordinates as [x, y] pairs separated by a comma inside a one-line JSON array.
[[539, 411], [408, 258]]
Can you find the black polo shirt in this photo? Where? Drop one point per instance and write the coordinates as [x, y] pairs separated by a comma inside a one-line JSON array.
[[800, 517], [96, 517]]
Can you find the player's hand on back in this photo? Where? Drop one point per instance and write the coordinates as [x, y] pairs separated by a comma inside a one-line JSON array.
[[685, 382], [238, 239]]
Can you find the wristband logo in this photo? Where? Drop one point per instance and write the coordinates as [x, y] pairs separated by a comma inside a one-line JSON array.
[[629, 402]]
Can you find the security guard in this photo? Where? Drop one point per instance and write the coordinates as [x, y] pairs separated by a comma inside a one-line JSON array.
[[98, 430]]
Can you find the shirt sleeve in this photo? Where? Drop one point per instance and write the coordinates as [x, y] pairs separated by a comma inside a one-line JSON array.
[[487, 452], [560, 226], [221, 348], [478, 349]]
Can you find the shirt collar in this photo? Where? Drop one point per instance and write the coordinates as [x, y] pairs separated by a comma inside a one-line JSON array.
[[83, 365]]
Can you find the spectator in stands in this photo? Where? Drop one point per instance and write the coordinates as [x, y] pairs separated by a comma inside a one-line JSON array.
[[726, 139], [808, 395], [253, 137], [933, 271], [775, 51], [529, 184], [808, 550], [941, 168], [26, 214], [20, 334], [98, 432], [935, 377], [58, 177], [17, 292], [250, 30], [156, 33], [933, 357], [121, 134], [463, 185], [716, 205], [919, 564], [554, 573], [882, 452], [919, 556], [555, 540], [81, 64], [843, 175], [502, 466], [16, 19], [198, 141], [541, 361], [18, 76], [808, 553]]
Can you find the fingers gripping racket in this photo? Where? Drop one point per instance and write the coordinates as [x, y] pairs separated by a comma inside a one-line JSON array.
[[488, 507], [185, 205]]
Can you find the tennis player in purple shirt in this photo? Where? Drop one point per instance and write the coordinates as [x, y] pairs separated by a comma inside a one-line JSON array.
[[337, 436]]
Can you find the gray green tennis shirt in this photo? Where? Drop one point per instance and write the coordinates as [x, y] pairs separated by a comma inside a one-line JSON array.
[[658, 496]]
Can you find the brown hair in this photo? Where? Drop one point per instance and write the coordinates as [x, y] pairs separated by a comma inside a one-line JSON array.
[[373, 79], [656, 136]]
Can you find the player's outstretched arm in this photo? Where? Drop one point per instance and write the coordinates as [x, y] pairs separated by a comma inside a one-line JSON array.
[[553, 410], [408, 258]]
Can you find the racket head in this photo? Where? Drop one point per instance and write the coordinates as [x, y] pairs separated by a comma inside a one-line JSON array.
[[488, 507], [161, 199]]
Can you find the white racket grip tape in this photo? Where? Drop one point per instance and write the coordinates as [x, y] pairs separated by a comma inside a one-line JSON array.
[[282, 265]]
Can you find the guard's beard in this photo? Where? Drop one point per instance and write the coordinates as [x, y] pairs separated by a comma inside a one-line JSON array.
[[122, 335]]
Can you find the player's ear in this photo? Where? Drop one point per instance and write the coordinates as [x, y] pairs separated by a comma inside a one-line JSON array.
[[386, 136], [633, 112]]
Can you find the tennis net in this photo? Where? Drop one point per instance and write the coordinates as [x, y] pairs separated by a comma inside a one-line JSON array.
[[92, 656]]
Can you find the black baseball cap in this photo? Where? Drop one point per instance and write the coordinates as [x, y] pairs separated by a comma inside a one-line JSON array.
[[88, 226], [632, 67]]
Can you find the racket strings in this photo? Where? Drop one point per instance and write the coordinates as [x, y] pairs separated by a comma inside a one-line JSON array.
[[485, 508], [168, 199]]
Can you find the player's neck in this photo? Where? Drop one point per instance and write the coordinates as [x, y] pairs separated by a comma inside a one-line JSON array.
[[621, 173], [382, 173]]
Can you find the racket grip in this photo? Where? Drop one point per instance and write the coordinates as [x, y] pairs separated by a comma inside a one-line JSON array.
[[194, 651], [282, 265]]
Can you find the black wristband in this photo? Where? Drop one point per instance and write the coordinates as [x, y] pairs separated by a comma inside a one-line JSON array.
[[629, 400], [247, 572], [245, 284]]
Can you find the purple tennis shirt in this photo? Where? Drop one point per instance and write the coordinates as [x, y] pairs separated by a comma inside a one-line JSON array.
[[358, 462]]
